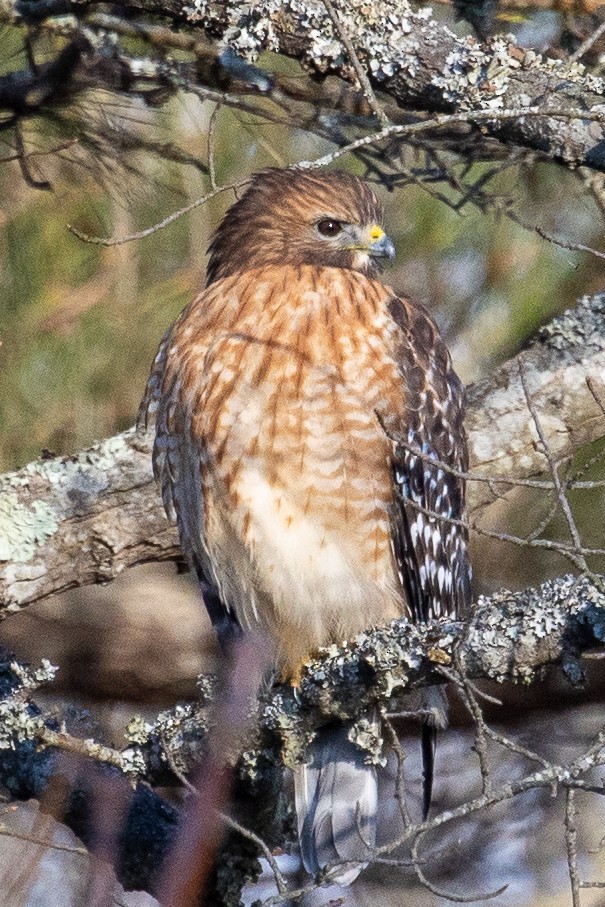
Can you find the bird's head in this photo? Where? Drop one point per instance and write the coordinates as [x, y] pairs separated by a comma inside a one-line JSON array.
[[296, 217]]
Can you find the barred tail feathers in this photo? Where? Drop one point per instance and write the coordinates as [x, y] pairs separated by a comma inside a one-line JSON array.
[[336, 801]]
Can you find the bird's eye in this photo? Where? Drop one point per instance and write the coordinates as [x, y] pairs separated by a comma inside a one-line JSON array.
[[329, 227]]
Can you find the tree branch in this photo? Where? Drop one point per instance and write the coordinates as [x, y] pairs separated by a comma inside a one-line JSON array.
[[509, 637], [409, 57], [74, 521]]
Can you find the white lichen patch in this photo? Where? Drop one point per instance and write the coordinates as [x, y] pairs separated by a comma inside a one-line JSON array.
[[582, 325], [19, 720], [383, 33], [138, 731], [32, 678], [515, 635], [195, 10], [365, 733], [133, 762], [17, 723], [23, 528], [476, 77]]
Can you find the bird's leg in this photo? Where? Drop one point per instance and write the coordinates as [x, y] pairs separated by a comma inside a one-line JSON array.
[[292, 672]]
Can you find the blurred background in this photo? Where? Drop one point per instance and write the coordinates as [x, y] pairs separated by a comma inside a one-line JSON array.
[[80, 325]]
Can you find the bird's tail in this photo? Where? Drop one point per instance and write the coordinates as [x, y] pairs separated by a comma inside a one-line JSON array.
[[434, 705], [336, 801]]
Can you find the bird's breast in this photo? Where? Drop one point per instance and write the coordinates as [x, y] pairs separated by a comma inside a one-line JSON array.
[[297, 474]]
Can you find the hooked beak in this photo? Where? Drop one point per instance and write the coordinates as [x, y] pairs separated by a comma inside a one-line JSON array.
[[380, 245]]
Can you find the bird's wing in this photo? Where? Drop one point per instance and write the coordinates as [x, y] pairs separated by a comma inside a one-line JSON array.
[[429, 541], [177, 464]]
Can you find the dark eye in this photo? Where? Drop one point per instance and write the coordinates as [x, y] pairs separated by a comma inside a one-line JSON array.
[[329, 227]]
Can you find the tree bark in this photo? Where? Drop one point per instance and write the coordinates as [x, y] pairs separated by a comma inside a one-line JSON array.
[[554, 107]]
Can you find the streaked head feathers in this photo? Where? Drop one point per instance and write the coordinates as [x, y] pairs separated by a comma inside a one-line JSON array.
[[297, 217]]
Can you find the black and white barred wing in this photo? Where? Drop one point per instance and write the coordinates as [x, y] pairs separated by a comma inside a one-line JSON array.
[[430, 544], [177, 461]]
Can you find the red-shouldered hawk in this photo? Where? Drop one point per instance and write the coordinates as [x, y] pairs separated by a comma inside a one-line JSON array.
[[298, 404]]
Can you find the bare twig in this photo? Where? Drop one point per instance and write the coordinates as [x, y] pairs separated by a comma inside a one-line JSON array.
[[400, 796], [586, 45], [30, 839], [567, 244], [554, 471], [563, 775], [211, 139], [61, 740], [359, 70], [571, 843], [452, 119], [465, 692], [440, 892], [280, 882], [120, 240]]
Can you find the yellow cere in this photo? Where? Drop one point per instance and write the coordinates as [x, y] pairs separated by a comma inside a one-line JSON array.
[[376, 232]]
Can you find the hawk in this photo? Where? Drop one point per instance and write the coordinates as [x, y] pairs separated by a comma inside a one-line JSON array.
[[299, 405]]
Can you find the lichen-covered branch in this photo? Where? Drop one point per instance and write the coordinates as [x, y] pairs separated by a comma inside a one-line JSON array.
[[567, 353], [509, 637], [408, 56], [414, 62], [79, 520]]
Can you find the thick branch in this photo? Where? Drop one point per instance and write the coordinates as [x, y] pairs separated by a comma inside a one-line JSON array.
[[419, 63], [509, 637], [79, 520], [503, 439]]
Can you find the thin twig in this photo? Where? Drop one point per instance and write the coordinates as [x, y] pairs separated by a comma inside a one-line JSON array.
[[587, 44], [395, 745], [280, 882], [359, 70], [460, 682], [211, 138], [450, 119], [543, 484], [563, 548], [515, 747], [63, 741], [21, 836], [571, 845], [554, 471], [563, 775], [440, 892], [567, 244], [120, 240]]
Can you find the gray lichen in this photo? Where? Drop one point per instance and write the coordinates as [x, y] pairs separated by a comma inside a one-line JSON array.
[[509, 637], [390, 38], [19, 721], [382, 32], [583, 325], [22, 528], [514, 636]]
